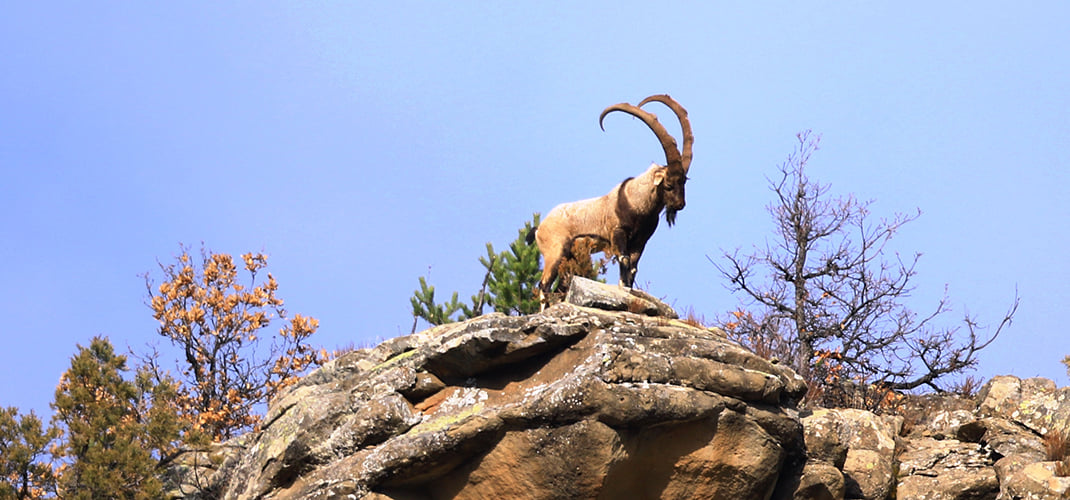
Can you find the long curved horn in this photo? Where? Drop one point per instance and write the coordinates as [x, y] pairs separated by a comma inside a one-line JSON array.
[[685, 124], [672, 154]]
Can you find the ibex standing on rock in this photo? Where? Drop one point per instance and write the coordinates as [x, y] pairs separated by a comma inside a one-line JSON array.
[[621, 222]]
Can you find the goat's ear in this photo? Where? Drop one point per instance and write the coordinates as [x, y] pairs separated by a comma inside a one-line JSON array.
[[659, 176]]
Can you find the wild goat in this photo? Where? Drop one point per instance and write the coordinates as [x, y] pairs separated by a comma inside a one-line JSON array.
[[621, 222]]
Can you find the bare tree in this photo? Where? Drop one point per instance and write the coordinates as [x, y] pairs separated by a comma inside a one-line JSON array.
[[826, 295]]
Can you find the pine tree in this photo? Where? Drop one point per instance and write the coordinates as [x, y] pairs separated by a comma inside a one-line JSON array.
[[25, 471], [509, 285], [512, 276], [424, 306], [117, 431]]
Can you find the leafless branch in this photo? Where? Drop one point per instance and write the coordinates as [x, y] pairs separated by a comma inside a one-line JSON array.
[[829, 285]]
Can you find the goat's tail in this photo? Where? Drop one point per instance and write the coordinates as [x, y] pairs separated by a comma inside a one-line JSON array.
[[530, 238]]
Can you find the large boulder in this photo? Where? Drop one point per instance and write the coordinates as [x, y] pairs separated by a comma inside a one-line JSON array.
[[574, 402], [1035, 403], [820, 480], [867, 443], [1037, 481], [946, 469], [1004, 438]]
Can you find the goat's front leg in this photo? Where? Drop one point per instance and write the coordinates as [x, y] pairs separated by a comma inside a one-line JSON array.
[[624, 258], [627, 273], [632, 269]]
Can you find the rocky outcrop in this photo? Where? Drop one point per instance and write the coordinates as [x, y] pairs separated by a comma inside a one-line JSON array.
[[608, 395], [941, 448], [990, 447], [575, 402]]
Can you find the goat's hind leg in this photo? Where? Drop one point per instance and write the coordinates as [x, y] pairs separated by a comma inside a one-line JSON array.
[[551, 263]]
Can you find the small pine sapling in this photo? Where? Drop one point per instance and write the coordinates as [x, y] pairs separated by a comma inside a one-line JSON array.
[[508, 286]]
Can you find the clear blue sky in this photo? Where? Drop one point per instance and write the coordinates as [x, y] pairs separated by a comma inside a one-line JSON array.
[[364, 144]]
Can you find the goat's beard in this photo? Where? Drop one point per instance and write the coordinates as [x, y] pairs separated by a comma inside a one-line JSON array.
[[670, 216]]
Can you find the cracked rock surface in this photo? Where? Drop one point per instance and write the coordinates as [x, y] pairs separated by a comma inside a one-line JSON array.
[[574, 402]]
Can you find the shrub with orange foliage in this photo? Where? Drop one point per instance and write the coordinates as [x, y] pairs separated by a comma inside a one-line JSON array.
[[216, 321]]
